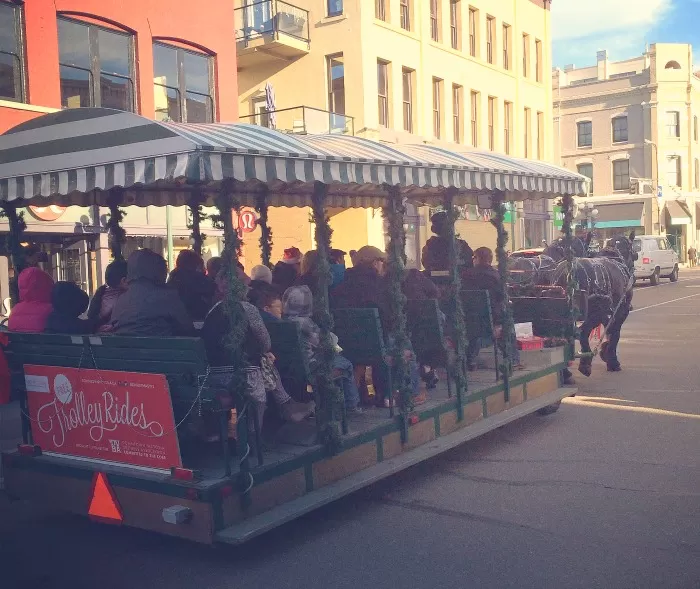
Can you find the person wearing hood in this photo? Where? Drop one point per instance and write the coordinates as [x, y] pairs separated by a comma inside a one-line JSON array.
[[195, 288], [149, 307], [34, 308], [286, 271], [297, 306], [102, 303], [260, 280], [69, 303], [337, 259], [436, 252]]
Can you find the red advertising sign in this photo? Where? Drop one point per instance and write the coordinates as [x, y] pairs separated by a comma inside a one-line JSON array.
[[118, 416]]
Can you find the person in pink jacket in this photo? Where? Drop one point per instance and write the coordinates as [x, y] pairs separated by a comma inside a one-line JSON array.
[[34, 308]]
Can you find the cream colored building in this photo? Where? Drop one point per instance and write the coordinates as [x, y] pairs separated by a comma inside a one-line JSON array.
[[463, 74], [632, 126]]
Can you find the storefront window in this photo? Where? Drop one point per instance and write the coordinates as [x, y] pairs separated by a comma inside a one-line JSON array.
[[11, 59]]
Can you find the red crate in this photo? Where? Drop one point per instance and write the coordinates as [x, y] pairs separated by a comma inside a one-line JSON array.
[[530, 343]]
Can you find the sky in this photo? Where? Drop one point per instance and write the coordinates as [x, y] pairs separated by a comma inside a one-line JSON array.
[[580, 28]]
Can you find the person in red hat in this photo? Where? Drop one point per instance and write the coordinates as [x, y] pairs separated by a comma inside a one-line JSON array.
[[287, 270]]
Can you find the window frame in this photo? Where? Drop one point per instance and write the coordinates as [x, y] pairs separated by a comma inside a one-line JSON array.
[[473, 31], [455, 37], [405, 14], [380, 10], [538, 61], [586, 164], [677, 171], [527, 128], [435, 20], [182, 79], [383, 99], [696, 169], [540, 135], [506, 46], [615, 119], [621, 186], [331, 13], [331, 93], [19, 56], [457, 126], [695, 128], [490, 38], [673, 129], [579, 134], [407, 76], [437, 107], [95, 72], [474, 99], [491, 122], [526, 55], [507, 126]]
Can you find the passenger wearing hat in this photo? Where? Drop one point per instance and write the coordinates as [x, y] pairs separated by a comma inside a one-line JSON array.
[[260, 280], [287, 270], [337, 259], [436, 252]]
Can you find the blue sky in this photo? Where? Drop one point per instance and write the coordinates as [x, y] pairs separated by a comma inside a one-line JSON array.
[[582, 27]]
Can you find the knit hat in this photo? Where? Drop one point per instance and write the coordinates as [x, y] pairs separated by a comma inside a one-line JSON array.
[[262, 273], [297, 301], [368, 255], [292, 255]]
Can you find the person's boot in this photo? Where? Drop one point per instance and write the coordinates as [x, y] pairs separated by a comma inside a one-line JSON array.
[[296, 412]]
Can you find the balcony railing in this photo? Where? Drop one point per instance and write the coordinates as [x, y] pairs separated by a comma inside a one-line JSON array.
[[304, 120], [271, 17]]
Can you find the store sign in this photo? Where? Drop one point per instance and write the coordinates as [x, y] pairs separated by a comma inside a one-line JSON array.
[[245, 222], [475, 213], [117, 416], [558, 221], [50, 213]]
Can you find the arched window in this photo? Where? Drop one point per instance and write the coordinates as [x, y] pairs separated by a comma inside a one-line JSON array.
[[673, 65]]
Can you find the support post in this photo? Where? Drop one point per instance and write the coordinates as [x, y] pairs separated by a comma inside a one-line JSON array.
[[567, 206], [330, 403], [169, 235], [265, 231], [399, 340], [508, 328], [235, 293], [455, 310], [195, 206], [116, 233], [14, 245]]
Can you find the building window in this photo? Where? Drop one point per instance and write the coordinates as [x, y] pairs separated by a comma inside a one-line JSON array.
[[405, 12], [95, 66], [506, 47], [335, 7], [490, 37], [454, 24], [473, 20], [457, 113], [621, 175], [507, 126], [336, 83], [383, 92], [407, 76], [619, 129], [540, 135], [179, 73], [527, 114], [474, 118], [538, 60], [492, 123], [380, 9], [526, 55], [673, 123], [434, 21], [437, 107], [587, 171], [11, 56], [673, 170], [695, 128], [585, 133], [696, 184]]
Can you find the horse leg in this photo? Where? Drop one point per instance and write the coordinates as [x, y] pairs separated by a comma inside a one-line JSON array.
[[614, 337], [586, 362]]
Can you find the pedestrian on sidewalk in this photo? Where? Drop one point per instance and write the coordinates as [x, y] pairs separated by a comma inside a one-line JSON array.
[[692, 256]]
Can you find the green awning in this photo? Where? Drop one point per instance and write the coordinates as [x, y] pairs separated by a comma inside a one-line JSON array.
[[678, 213]]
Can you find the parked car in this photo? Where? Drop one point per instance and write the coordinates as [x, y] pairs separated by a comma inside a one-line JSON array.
[[655, 259], [530, 252]]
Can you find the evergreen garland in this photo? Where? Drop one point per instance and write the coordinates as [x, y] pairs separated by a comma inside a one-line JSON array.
[[329, 397], [265, 231], [455, 311], [14, 244], [116, 233], [497, 220], [198, 215], [396, 267]]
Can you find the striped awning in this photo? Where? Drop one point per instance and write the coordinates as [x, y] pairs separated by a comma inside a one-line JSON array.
[[73, 157]]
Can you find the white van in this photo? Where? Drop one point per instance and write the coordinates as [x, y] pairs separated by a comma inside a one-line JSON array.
[[655, 259]]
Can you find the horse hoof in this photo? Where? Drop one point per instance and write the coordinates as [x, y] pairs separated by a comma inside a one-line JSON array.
[[604, 351], [615, 368], [585, 370]]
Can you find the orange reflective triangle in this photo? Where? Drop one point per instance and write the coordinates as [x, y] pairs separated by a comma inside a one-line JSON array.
[[103, 503]]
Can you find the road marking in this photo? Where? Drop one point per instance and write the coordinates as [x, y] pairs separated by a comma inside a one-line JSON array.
[[664, 303], [652, 410]]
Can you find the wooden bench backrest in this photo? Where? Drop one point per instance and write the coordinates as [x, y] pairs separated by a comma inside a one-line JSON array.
[[291, 363], [360, 335], [476, 305], [424, 321], [181, 359]]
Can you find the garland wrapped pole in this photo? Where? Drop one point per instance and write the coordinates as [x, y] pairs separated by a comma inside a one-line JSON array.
[[567, 205], [235, 293], [498, 204], [330, 404], [195, 206], [116, 233], [394, 212], [455, 310], [17, 227], [265, 231]]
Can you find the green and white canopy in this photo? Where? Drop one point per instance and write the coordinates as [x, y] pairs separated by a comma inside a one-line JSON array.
[[74, 157]]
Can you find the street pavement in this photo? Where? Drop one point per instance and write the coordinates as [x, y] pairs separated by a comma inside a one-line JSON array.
[[604, 493]]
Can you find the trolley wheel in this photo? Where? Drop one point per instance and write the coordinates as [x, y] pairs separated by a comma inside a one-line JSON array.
[[674, 275], [654, 280], [549, 409]]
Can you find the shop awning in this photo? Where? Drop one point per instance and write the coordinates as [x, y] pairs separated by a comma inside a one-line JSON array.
[[628, 214], [73, 156], [678, 213]]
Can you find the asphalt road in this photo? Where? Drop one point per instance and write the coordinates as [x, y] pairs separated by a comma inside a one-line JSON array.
[[605, 493]]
